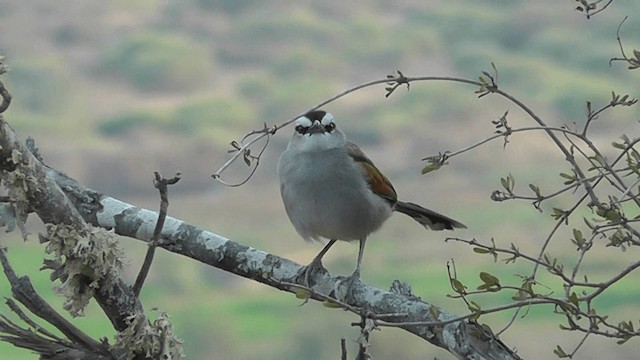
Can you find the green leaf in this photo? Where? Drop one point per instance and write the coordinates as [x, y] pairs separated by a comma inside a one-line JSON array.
[[573, 299], [303, 293], [481, 250], [535, 189], [429, 168], [588, 223], [491, 283], [505, 183], [489, 279], [618, 145], [578, 238], [458, 287], [434, 312], [331, 304], [624, 340], [560, 352]]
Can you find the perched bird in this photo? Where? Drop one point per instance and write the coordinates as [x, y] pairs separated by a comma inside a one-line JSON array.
[[331, 189]]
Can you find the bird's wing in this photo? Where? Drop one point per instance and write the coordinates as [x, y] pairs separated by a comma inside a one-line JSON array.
[[378, 183]]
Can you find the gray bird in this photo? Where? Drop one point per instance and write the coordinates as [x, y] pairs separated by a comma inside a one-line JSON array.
[[332, 190]]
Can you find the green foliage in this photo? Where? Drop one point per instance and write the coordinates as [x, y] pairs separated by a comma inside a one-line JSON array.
[[212, 116], [157, 61], [209, 117], [126, 121]]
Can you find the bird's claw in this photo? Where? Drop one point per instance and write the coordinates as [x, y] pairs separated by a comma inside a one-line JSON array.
[[308, 272], [350, 282]]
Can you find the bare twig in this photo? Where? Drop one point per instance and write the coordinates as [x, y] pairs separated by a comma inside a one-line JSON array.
[[256, 135], [24, 292], [634, 62], [591, 8], [162, 185]]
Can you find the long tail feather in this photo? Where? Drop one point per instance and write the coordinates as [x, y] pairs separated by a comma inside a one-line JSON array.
[[429, 219]]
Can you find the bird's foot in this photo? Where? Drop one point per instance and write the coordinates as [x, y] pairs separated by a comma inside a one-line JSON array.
[[350, 281], [307, 273]]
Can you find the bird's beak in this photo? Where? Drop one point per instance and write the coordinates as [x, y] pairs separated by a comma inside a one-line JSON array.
[[316, 128]]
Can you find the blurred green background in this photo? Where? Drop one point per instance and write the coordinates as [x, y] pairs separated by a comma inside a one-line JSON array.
[[112, 91]]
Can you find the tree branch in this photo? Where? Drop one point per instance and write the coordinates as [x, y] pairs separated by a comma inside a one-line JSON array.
[[464, 339], [44, 197], [48, 345]]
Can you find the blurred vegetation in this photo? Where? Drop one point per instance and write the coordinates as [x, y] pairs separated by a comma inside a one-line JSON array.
[[210, 70], [39, 86], [214, 118], [160, 61]]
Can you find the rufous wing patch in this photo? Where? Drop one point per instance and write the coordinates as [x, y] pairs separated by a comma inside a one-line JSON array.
[[378, 183]]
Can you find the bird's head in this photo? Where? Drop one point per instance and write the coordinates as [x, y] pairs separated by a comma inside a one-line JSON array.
[[316, 131]]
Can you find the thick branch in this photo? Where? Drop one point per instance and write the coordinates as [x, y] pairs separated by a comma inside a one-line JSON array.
[[463, 338], [50, 203]]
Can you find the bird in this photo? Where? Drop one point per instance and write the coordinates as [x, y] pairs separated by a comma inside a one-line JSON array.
[[331, 189]]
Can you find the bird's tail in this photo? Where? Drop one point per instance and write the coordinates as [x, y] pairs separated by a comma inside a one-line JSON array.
[[429, 219]]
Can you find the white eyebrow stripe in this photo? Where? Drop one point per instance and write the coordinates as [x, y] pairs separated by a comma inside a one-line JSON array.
[[304, 121], [327, 119]]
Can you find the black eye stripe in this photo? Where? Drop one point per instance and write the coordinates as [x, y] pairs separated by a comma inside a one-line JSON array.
[[302, 129]]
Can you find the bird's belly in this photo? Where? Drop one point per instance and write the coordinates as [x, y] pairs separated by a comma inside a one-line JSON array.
[[325, 195], [346, 212]]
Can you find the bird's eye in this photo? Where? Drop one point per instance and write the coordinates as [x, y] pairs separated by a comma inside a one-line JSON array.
[[329, 127], [301, 129]]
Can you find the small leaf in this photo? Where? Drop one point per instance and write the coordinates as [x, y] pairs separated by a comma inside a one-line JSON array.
[[573, 299], [535, 189], [560, 352], [620, 342], [579, 239], [618, 145], [302, 293], [481, 250], [434, 312], [429, 168], [458, 287], [475, 309], [489, 279], [491, 283], [504, 182], [588, 223], [331, 304], [247, 157]]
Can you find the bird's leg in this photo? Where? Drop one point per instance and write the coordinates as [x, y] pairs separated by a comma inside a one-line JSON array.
[[356, 273], [315, 265]]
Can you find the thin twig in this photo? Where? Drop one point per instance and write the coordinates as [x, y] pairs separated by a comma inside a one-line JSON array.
[[18, 311], [323, 297], [23, 291], [162, 185], [343, 347], [268, 131]]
